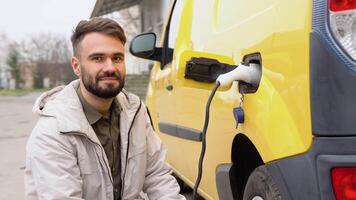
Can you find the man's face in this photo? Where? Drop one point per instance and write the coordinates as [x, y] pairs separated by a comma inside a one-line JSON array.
[[101, 64]]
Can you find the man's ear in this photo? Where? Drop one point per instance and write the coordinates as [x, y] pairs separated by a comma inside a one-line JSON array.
[[76, 66]]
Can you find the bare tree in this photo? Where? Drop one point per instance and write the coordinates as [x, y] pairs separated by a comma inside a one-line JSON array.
[[50, 56], [13, 61]]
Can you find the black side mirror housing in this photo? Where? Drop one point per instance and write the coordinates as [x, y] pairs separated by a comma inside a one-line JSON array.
[[144, 46]]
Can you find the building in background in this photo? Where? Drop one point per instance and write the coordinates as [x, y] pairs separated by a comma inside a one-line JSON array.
[[136, 16], [152, 12], [5, 74]]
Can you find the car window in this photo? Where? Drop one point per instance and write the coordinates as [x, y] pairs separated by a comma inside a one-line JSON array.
[[174, 24]]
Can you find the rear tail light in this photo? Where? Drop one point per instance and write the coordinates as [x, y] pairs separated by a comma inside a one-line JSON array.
[[343, 24], [344, 183]]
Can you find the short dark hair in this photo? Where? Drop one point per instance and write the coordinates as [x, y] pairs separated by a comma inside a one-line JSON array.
[[99, 25]]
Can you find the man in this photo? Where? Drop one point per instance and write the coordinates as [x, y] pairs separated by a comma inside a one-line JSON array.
[[94, 140]]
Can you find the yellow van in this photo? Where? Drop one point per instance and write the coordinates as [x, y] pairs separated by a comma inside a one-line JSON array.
[[298, 137]]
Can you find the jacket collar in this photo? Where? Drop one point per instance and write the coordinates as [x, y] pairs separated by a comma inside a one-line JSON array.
[[91, 114], [63, 103]]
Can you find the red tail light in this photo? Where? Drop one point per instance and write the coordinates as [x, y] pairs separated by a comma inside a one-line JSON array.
[[340, 5], [342, 15], [344, 183]]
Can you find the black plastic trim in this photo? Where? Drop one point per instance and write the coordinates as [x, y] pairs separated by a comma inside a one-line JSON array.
[[180, 131], [333, 105], [223, 184], [307, 176]]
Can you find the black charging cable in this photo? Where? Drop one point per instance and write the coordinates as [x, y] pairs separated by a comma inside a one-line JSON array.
[[203, 139]]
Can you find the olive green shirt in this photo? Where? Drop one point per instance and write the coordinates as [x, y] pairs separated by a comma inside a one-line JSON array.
[[107, 129]]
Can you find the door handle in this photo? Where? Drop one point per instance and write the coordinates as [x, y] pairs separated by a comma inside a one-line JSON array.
[[169, 87]]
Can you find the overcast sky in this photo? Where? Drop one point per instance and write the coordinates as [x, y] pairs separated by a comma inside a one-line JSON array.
[[23, 18]]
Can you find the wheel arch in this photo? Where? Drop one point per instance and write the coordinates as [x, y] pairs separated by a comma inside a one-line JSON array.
[[245, 158]]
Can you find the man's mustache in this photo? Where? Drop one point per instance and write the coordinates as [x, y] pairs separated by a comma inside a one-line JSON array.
[[109, 75]]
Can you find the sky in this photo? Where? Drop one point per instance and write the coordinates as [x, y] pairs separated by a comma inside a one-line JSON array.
[[20, 19]]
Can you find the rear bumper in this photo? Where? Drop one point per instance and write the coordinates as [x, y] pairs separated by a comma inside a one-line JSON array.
[[307, 176]]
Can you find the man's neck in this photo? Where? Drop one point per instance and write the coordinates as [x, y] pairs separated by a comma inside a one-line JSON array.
[[99, 104]]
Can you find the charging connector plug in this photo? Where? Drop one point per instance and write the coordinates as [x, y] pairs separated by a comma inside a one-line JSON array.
[[247, 73]]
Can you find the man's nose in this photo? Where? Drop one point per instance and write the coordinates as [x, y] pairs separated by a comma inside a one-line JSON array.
[[109, 65]]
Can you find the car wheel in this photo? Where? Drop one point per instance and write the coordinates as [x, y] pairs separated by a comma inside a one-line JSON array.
[[260, 186]]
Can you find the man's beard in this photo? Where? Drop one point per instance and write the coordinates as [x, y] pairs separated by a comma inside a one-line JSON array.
[[92, 84]]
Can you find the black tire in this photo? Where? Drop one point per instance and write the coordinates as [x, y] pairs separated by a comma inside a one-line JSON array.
[[261, 184]]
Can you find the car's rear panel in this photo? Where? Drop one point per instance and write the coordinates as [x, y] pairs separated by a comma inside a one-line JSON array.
[[333, 78]]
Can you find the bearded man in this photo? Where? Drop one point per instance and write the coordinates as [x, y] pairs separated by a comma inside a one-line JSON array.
[[93, 139]]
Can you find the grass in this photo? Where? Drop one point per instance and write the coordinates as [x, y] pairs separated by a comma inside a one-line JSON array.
[[19, 92]]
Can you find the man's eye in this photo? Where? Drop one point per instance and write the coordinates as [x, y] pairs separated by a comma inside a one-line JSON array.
[[97, 59], [118, 59]]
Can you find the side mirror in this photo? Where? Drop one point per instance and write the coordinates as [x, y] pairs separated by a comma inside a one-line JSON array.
[[144, 46]]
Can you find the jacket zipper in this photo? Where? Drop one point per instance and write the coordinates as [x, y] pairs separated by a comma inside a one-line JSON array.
[[106, 164], [127, 151], [101, 150]]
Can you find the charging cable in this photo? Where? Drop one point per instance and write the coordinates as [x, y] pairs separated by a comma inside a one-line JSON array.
[[249, 74], [203, 139]]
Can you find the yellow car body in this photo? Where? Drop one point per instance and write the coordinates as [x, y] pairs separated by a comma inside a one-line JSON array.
[[277, 116]]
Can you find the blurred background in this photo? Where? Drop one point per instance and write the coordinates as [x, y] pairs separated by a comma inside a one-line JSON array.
[[35, 53], [35, 47]]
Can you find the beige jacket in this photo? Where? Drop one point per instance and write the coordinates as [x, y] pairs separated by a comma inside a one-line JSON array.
[[65, 159]]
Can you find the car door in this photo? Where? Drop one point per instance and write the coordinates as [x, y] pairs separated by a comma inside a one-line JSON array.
[[165, 89], [180, 124]]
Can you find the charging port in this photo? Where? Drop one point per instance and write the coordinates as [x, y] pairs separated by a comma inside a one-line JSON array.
[[247, 88], [206, 69]]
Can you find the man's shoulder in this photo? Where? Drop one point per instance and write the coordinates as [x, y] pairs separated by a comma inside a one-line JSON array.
[[46, 134], [128, 100], [128, 96], [46, 125]]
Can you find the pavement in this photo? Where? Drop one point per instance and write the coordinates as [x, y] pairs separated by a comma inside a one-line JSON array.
[[16, 123]]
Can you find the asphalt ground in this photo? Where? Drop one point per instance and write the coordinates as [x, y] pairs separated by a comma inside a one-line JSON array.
[[16, 123]]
